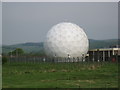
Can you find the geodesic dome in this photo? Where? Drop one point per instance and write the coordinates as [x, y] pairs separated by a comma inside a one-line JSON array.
[[66, 39]]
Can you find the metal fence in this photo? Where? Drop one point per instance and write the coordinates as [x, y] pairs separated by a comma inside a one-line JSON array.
[[35, 59], [38, 59]]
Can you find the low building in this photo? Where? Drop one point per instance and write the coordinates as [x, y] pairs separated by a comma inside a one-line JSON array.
[[104, 54]]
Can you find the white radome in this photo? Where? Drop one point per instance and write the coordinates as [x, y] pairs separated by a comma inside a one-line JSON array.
[[66, 39]]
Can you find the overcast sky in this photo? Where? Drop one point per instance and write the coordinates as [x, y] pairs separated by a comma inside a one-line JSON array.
[[29, 22]]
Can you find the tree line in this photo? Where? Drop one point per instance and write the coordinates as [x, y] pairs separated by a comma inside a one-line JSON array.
[[19, 52]]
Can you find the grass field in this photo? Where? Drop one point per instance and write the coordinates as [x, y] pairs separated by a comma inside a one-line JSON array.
[[60, 75]]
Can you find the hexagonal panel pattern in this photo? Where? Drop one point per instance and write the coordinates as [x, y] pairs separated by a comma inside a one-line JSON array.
[[66, 38]]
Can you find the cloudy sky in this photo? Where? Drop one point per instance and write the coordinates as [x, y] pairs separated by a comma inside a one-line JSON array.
[[29, 22]]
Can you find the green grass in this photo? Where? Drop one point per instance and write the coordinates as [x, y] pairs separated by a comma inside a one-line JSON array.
[[60, 75]]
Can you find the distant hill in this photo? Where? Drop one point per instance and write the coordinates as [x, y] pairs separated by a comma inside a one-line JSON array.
[[102, 43], [27, 47], [38, 47]]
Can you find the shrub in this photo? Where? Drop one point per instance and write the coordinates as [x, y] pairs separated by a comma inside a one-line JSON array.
[[4, 60]]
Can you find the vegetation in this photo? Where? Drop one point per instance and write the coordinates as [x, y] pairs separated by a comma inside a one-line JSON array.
[[4, 60], [16, 52], [41, 53], [61, 75]]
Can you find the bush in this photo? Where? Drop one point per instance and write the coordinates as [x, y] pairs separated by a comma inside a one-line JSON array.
[[4, 60]]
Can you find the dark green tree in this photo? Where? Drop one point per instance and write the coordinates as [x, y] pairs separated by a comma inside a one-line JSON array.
[[4, 60], [17, 52]]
